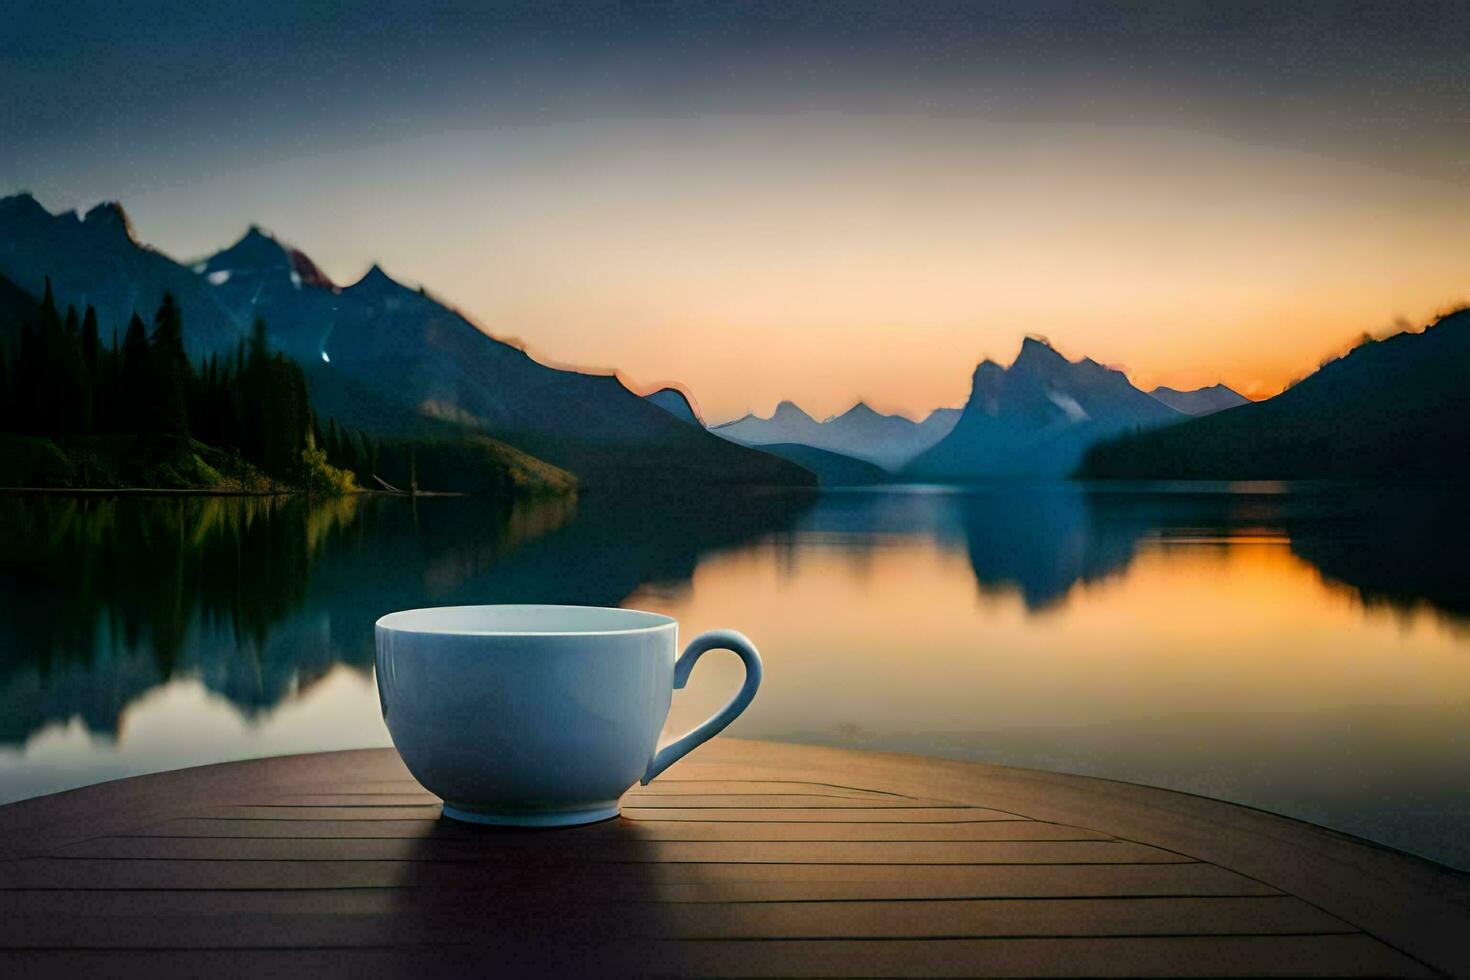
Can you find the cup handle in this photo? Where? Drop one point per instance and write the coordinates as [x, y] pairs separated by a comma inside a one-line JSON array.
[[704, 642]]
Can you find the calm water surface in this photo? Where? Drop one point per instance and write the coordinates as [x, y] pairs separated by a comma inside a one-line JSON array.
[[1301, 649]]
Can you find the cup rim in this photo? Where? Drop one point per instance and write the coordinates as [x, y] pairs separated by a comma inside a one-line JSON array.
[[601, 620]]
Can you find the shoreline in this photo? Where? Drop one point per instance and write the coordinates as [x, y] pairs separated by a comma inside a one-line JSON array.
[[208, 492]]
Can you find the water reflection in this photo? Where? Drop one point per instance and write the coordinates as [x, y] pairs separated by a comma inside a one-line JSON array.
[[1396, 547], [1227, 640], [105, 599]]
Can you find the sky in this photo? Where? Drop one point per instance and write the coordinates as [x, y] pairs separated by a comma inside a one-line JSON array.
[[820, 202]]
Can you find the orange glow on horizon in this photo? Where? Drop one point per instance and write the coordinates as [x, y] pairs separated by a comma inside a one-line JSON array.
[[1108, 650], [823, 258]]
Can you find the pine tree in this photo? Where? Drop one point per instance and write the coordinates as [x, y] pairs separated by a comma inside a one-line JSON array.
[[74, 393], [275, 413], [48, 368], [255, 396], [133, 378], [107, 420], [207, 422], [170, 372], [91, 362], [334, 443], [25, 393], [353, 456], [7, 410], [60, 397]]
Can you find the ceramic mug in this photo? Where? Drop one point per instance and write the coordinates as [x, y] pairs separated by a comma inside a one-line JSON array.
[[540, 716]]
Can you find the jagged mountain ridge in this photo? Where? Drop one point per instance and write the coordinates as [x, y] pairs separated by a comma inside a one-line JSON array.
[[1199, 402], [1037, 417], [378, 355], [444, 367], [94, 258], [888, 441]]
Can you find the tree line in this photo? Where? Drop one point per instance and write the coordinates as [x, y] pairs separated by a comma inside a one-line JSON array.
[[65, 383]]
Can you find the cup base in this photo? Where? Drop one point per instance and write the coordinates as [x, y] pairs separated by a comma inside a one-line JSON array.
[[548, 818]]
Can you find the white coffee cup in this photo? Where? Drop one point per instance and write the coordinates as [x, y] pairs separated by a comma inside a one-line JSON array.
[[540, 715]]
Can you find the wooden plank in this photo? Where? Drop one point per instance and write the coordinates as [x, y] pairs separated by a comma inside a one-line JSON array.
[[1416, 905], [467, 920], [424, 813], [725, 784], [1112, 882], [760, 858], [822, 815], [544, 959], [773, 801], [698, 881], [1345, 956], [804, 801], [430, 811], [461, 919], [788, 800], [343, 799], [552, 848], [663, 786], [670, 830], [1002, 917], [33, 826]]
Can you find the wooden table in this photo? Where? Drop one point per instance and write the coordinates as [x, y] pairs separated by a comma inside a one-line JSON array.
[[747, 859]]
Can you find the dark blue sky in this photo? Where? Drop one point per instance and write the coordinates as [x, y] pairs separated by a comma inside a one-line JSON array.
[[137, 86]]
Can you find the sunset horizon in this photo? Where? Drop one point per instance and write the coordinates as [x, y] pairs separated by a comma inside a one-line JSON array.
[[830, 399], [1198, 196]]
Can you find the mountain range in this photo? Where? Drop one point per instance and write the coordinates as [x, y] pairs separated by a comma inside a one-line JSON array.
[[1397, 408], [379, 356], [92, 258], [398, 362], [1200, 401], [1034, 418], [1037, 417], [888, 441]]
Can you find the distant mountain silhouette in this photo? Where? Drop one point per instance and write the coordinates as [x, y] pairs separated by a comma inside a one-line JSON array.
[[95, 259], [677, 404], [890, 441], [832, 469], [940, 423], [1199, 402], [788, 423], [379, 356], [1395, 408], [1037, 417]]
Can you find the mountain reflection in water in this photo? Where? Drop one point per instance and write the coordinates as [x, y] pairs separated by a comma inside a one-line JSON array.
[[1240, 641]]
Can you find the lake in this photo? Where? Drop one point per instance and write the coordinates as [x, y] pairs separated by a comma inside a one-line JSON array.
[[1304, 649]]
